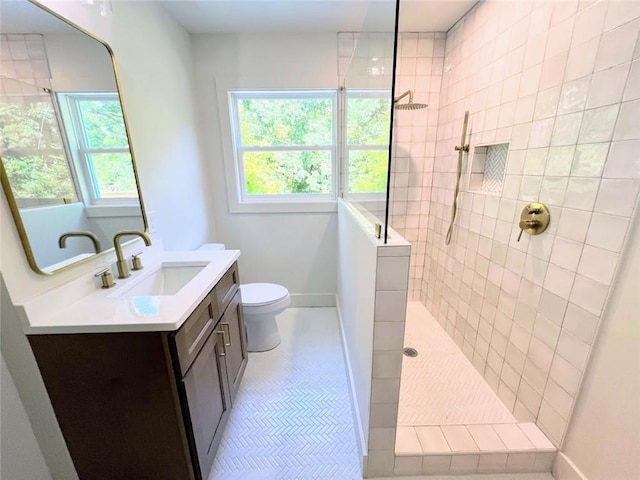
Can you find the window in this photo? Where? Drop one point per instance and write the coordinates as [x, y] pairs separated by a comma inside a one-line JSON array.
[[285, 145], [99, 144], [366, 146], [289, 148]]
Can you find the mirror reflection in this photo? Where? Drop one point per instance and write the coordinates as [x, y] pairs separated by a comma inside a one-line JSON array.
[[68, 170]]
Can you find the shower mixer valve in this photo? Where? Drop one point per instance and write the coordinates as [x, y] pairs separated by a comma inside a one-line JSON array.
[[534, 219]]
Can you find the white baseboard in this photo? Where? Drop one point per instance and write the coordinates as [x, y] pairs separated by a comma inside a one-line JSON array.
[[301, 300], [360, 437], [564, 469]]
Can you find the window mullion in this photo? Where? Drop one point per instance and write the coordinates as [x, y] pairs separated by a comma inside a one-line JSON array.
[[367, 147], [343, 171], [284, 148], [90, 151]]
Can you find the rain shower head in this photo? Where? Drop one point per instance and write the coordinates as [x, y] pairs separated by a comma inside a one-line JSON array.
[[409, 105]]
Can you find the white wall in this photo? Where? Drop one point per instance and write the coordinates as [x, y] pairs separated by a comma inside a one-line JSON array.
[[357, 258], [297, 250], [155, 66], [20, 456], [45, 225], [603, 440]]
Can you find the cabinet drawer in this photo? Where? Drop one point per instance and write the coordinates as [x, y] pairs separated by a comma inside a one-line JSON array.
[[226, 288], [192, 335]]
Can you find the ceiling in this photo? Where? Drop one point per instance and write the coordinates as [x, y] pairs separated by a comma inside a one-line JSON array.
[[211, 16]]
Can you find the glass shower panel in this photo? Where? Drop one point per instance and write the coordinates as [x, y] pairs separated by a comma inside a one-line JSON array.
[[366, 70]]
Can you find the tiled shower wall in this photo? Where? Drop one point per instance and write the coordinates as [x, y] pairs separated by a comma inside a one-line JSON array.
[[24, 57], [559, 81], [419, 69]]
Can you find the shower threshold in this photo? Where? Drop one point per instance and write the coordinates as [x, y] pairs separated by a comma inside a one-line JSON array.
[[449, 420]]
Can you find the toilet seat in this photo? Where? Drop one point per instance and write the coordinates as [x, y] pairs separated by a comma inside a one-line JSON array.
[[261, 294]]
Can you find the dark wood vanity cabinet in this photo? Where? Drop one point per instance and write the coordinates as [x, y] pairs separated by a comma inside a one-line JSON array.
[[148, 405]]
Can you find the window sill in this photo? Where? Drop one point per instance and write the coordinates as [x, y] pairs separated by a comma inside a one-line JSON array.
[[113, 211], [327, 206]]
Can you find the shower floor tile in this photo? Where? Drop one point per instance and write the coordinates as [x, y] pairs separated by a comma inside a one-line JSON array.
[[292, 416], [440, 386]]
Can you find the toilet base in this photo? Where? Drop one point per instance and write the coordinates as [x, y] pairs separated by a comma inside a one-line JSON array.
[[262, 332]]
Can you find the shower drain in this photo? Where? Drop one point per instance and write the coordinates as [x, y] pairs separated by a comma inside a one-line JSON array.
[[410, 352]]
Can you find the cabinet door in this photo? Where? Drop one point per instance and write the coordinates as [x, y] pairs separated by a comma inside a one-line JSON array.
[[208, 399], [232, 324]]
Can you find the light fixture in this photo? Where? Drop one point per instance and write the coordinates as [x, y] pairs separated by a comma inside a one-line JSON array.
[[375, 68], [104, 5], [105, 8]]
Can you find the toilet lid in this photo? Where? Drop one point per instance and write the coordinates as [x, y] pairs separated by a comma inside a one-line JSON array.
[[262, 293]]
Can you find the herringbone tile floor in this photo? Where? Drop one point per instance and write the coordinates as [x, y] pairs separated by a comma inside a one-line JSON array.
[[292, 417], [440, 386]]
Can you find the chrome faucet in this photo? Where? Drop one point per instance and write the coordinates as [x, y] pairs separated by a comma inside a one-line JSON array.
[[123, 268], [62, 241]]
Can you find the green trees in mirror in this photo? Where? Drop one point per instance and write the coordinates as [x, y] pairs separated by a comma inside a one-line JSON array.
[[32, 149]]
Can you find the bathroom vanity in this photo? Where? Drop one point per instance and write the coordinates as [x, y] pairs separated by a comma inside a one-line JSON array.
[[142, 388]]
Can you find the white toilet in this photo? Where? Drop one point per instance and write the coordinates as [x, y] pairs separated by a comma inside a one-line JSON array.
[[261, 302]]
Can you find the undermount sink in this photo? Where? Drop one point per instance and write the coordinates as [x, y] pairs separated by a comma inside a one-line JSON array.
[[168, 279]]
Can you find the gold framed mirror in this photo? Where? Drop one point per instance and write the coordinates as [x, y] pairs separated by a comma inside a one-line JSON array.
[[66, 162]]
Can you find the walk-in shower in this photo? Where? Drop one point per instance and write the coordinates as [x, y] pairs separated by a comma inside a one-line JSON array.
[[504, 325]]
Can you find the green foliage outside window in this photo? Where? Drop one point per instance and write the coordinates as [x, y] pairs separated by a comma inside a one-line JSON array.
[[287, 122], [368, 120], [277, 173], [114, 174], [103, 123], [103, 129], [286, 143], [368, 171]]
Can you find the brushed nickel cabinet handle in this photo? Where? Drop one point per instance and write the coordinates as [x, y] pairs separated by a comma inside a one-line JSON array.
[[224, 347], [226, 330]]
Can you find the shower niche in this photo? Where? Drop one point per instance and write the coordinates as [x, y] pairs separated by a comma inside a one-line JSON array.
[[488, 167]]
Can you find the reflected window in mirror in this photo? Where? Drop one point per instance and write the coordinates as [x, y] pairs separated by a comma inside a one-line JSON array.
[[31, 146], [62, 175], [94, 126]]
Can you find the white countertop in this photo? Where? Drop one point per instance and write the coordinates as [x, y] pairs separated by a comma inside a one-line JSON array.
[[82, 307]]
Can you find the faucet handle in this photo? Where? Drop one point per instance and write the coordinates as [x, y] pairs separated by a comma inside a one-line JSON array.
[[106, 277], [136, 263]]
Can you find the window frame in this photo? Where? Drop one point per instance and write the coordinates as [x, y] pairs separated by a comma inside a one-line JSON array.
[[245, 202], [75, 136]]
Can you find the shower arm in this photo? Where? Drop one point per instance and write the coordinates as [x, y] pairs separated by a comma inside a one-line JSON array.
[[460, 149], [408, 92]]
